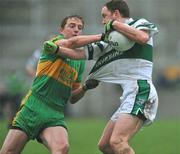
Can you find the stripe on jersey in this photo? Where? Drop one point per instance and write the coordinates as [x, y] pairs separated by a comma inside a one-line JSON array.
[[100, 45], [136, 52], [141, 97], [90, 51], [144, 24], [59, 70], [147, 25]]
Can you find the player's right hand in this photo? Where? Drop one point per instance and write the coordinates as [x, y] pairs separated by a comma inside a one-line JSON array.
[[50, 47], [90, 84], [108, 27]]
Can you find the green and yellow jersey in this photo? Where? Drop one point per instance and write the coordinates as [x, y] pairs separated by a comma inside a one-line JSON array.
[[55, 77]]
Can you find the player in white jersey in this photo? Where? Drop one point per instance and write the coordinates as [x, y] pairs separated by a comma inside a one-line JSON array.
[[131, 69]]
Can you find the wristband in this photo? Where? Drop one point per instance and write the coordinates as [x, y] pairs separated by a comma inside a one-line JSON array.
[[56, 50], [102, 37]]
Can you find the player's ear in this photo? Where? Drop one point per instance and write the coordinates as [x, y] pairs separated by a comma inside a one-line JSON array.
[[116, 14], [60, 29]]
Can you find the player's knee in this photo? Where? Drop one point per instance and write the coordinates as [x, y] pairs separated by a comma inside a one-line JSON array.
[[114, 142], [119, 144], [60, 148], [103, 147], [64, 148], [7, 151]]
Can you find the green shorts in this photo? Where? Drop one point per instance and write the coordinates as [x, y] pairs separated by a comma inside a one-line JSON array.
[[35, 115]]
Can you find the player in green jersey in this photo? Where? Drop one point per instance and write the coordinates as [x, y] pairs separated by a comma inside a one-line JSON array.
[[58, 79]]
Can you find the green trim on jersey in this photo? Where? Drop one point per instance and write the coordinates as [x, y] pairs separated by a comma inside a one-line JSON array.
[[141, 97], [134, 21], [136, 52], [148, 25], [55, 77], [143, 23]]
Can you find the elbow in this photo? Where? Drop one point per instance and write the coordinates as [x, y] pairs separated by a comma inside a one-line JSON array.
[[143, 39], [71, 42]]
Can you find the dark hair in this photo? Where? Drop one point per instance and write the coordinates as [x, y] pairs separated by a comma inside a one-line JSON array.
[[120, 5], [64, 21]]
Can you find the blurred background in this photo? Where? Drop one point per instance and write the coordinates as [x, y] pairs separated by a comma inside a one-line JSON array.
[[24, 24]]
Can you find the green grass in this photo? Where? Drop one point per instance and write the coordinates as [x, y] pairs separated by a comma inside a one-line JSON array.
[[163, 137]]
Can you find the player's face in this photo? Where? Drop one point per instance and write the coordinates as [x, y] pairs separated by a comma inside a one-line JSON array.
[[73, 27], [106, 15]]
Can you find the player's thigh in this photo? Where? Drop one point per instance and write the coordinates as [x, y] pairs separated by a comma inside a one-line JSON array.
[[126, 126], [54, 136], [14, 141], [106, 135]]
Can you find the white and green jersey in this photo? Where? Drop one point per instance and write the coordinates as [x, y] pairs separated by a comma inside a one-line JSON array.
[[135, 63]]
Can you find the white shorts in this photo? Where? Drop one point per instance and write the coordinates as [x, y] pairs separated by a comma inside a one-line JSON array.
[[139, 97]]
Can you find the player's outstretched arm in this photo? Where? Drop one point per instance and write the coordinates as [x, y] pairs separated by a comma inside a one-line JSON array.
[[51, 48], [79, 41], [76, 54]]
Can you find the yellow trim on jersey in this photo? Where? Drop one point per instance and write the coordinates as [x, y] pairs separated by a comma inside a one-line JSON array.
[[58, 70]]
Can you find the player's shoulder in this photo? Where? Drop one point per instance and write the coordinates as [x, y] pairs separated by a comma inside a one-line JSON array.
[[137, 22], [56, 38], [143, 23]]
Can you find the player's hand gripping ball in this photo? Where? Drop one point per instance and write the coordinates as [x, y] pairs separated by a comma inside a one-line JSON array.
[[117, 40]]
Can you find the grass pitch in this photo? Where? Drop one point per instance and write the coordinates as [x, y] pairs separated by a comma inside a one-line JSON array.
[[162, 137]]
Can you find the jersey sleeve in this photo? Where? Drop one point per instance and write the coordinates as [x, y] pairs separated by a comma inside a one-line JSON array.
[[94, 50], [143, 24]]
